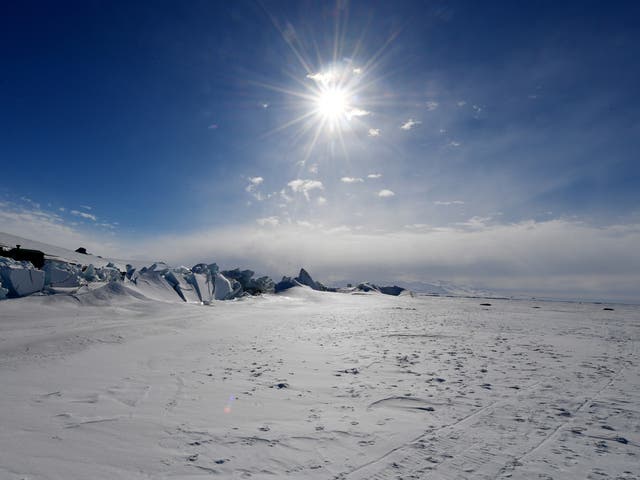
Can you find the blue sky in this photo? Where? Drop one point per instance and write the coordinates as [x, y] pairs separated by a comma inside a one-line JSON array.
[[133, 128]]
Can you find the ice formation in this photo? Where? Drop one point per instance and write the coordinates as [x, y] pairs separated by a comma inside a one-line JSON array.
[[61, 274], [20, 278]]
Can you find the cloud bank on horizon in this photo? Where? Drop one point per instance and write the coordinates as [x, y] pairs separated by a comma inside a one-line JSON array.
[[479, 143]]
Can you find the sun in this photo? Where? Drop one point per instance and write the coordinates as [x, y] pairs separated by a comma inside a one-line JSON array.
[[332, 104]]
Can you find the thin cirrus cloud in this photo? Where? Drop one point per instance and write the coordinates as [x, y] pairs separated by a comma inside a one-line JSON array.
[[85, 215], [374, 132], [374, 175], [409, 124], [448, 202], [384, 193], [351, 180]]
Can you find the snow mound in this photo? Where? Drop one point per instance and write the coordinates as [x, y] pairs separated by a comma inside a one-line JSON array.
[[108, 294]]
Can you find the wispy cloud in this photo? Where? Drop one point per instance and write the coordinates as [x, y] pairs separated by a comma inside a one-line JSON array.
[[357, 112], [351, 180], [86, 207], [431, 105], [268, 221], [305, 186], [374, 175], [448, 202], [85, 215], [409, 124], [461, 103], [384, 193], [374, 132], [321, 201], [252, 188], [453, 143], [41, 225], [321, 77]]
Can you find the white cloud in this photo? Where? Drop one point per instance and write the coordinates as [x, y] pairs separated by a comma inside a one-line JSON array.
[[448, 202], [325, 77], [268, 221], [374, 175], [86, 207], [313, 168], [357, 112], [374, 132], [351, 180], [321, 201], [305, 186], [85, 215], [385, 193], [431, 105], [357, 71], [453, 143], [254, 182], [461, 103], [409, 124]]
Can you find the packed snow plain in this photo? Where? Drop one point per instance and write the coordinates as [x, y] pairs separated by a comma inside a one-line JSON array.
[[108, 383]]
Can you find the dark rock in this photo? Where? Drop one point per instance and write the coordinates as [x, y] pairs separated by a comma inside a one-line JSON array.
[[285, 284], [395, 290], [82, 250]]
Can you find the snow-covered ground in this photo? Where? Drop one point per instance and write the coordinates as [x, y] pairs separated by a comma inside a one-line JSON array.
[[314, 385]]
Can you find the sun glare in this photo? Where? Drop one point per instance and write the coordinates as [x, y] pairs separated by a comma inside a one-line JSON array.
[[332, 104]]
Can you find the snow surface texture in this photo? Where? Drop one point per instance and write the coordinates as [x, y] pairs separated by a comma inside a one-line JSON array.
[[108, 384]]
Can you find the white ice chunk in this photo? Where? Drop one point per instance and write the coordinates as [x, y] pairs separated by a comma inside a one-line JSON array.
[[180, 279], [61, 274], [20, 278], [204, 286], [223, 289]]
